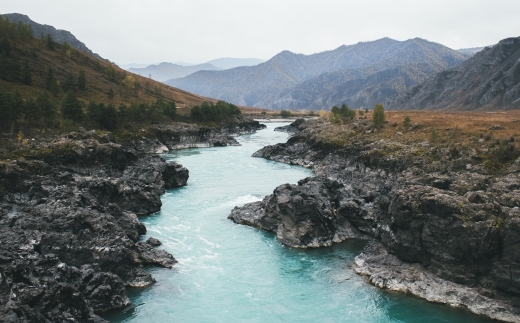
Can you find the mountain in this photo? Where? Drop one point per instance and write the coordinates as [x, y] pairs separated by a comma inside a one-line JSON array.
[[230, 62], [58, 35], [470, 51], [166, 71], [290, 80], [489, 80], [25, 68]]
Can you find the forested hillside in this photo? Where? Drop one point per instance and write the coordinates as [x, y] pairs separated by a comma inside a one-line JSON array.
[[48, 85]]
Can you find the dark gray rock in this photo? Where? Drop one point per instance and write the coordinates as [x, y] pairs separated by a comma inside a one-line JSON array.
[[153, 242]]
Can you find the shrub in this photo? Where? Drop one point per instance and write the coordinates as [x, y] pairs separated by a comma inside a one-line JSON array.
[[285, 113]]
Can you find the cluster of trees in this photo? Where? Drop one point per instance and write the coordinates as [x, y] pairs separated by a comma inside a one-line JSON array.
[[343, 113], [72, 82], [209, 112], [10, 66], [46, 110]]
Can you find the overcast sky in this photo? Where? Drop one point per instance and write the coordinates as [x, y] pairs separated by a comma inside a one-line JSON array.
[[152, 31]]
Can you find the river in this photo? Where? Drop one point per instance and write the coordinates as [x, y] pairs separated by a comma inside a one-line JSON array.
[[233, 273]]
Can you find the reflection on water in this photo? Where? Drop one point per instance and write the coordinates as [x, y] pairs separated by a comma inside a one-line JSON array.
[[233, 273]]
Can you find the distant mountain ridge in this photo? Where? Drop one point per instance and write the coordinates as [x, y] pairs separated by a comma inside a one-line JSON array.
[[167, 71], [58, 35], [290, 80], [489, 80]]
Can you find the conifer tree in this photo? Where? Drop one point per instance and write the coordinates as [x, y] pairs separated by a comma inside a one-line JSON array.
[[71, 107], [26, 73], [82, 80]]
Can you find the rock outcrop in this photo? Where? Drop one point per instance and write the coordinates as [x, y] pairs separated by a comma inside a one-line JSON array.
[[70, 236], [442, 209]]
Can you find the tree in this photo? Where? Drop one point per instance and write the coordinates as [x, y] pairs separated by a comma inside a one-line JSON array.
[[407, 121], [110, 94], [285, 113], [49, 42], [111, 72], [26, 73], [51, 83], [71, 107], [82, 80], [46, 105], [70, 83], [378, 116]]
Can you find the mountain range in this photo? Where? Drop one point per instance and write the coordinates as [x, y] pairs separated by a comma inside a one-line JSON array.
[[490, 80], [167, 71], [359, 75]]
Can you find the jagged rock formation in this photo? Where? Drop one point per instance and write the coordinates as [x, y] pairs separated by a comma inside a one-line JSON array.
[[440, 209], [489, 80], [59, 36], [370, 70], [69, 228]]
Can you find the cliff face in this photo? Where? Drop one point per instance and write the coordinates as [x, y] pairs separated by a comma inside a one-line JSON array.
[[443, 210], [489, 80]]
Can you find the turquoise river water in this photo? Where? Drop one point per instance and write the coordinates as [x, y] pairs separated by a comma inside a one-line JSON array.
[[233, 273]]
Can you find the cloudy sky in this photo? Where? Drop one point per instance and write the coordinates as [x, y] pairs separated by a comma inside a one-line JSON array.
[[152, 31]]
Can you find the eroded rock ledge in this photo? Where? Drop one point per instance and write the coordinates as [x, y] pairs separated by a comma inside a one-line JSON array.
[[439, 216], [69, 228]]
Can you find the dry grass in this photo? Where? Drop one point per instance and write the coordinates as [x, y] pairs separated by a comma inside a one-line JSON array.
[[452, 125]]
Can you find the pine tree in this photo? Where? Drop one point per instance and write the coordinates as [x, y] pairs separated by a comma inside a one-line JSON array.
[[110, 94], [49, 42], [26, 73], [70, 83], [46, 105], [82, 80], [71, 107]]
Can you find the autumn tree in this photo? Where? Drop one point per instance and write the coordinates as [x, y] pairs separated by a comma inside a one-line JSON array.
[[378, 116]]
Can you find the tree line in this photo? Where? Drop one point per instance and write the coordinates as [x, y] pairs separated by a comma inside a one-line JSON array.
[[209, 112], [47, 111]]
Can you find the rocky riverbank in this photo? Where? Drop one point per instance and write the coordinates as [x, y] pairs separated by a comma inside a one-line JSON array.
[[70, 237], [443, 217]]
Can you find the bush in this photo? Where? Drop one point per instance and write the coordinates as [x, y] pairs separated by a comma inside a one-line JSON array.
[[285, 113]]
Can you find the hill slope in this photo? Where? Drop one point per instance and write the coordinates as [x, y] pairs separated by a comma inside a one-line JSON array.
[[489, 80], [263, 85]]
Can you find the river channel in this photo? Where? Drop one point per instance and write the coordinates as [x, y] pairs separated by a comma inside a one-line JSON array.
[[232, 273]]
